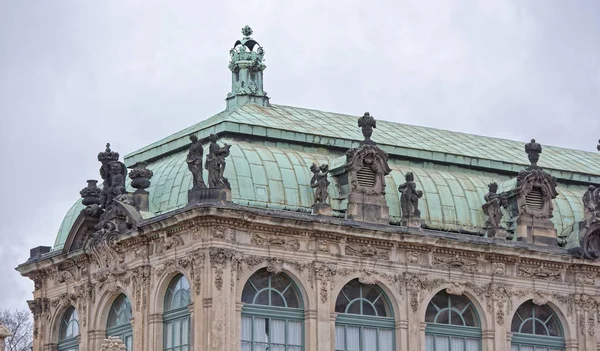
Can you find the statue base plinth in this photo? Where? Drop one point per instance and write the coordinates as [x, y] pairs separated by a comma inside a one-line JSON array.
[[537, 231], [368, 208], [208, 195], [497, 233], [322, 209], [412, 222]]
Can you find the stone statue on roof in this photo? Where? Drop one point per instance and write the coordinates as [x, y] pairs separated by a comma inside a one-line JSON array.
[[598, 147], [492, 208], [409, 200], [215, 164], [113, 173], [319, 182], [194, 161]]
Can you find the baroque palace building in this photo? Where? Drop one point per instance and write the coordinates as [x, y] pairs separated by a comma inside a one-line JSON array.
[[269, 227]]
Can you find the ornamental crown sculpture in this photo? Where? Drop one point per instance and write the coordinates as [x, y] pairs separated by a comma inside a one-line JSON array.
[[247, 68]]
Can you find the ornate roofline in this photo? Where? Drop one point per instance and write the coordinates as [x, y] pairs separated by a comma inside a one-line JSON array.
[[220, 124]]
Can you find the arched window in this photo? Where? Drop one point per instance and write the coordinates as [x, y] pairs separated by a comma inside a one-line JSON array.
[[452, 324], [365, 320], [119, 321], [272, 315], [69, 331], [536, 328], [177, 315]]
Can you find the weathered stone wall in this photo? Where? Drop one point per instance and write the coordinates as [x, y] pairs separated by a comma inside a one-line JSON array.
[[219, 249]]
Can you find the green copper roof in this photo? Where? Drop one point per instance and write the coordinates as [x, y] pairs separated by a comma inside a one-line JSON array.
[[299, 125], [277, 175]]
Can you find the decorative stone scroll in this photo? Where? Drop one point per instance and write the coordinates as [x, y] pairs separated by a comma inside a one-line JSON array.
[[530, 201], [365, 169], [367, 251], [113, 343]]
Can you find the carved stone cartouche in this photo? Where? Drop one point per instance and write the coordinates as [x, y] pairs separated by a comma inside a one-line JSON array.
[[194, 161], [215, 164], [492, 209]]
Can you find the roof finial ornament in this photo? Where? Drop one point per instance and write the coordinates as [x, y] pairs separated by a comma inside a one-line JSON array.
[[533, 151], [598, 147], [247, 66], [367, 123], [247, 31]]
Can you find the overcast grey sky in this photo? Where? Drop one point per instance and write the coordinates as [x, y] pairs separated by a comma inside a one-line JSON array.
[[76, 74]]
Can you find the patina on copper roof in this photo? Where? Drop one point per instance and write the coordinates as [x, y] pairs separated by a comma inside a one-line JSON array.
[[277, 176], [326, 129]]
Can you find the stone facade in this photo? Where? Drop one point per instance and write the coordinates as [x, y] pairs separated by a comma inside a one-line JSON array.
[[218, 249]]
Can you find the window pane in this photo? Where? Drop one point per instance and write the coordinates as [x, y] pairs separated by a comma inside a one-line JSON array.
[[352, 339], [442, 343], [262, 298], [473, 345], [354, 308], [369, 338], [368, 310], [457, 344], [527, 327], [294, 333], [185, 329], [386, 340], [246, 328], [340, 335], [443, 317], [276, 299], [260, 330], [429, 343], [540, 328], [277, 332], [246, 346], [169, 330]]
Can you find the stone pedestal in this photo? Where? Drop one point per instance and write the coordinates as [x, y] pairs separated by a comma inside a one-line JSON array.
[[368, 208], [322, 209], [141, 200], [208, 195], [537, 231], [497, 233], [412, 222]]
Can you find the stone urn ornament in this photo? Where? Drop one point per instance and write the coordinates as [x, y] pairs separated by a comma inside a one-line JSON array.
[[91, 193]]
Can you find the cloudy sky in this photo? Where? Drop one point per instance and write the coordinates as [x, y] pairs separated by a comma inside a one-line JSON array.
[[76, 74]]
